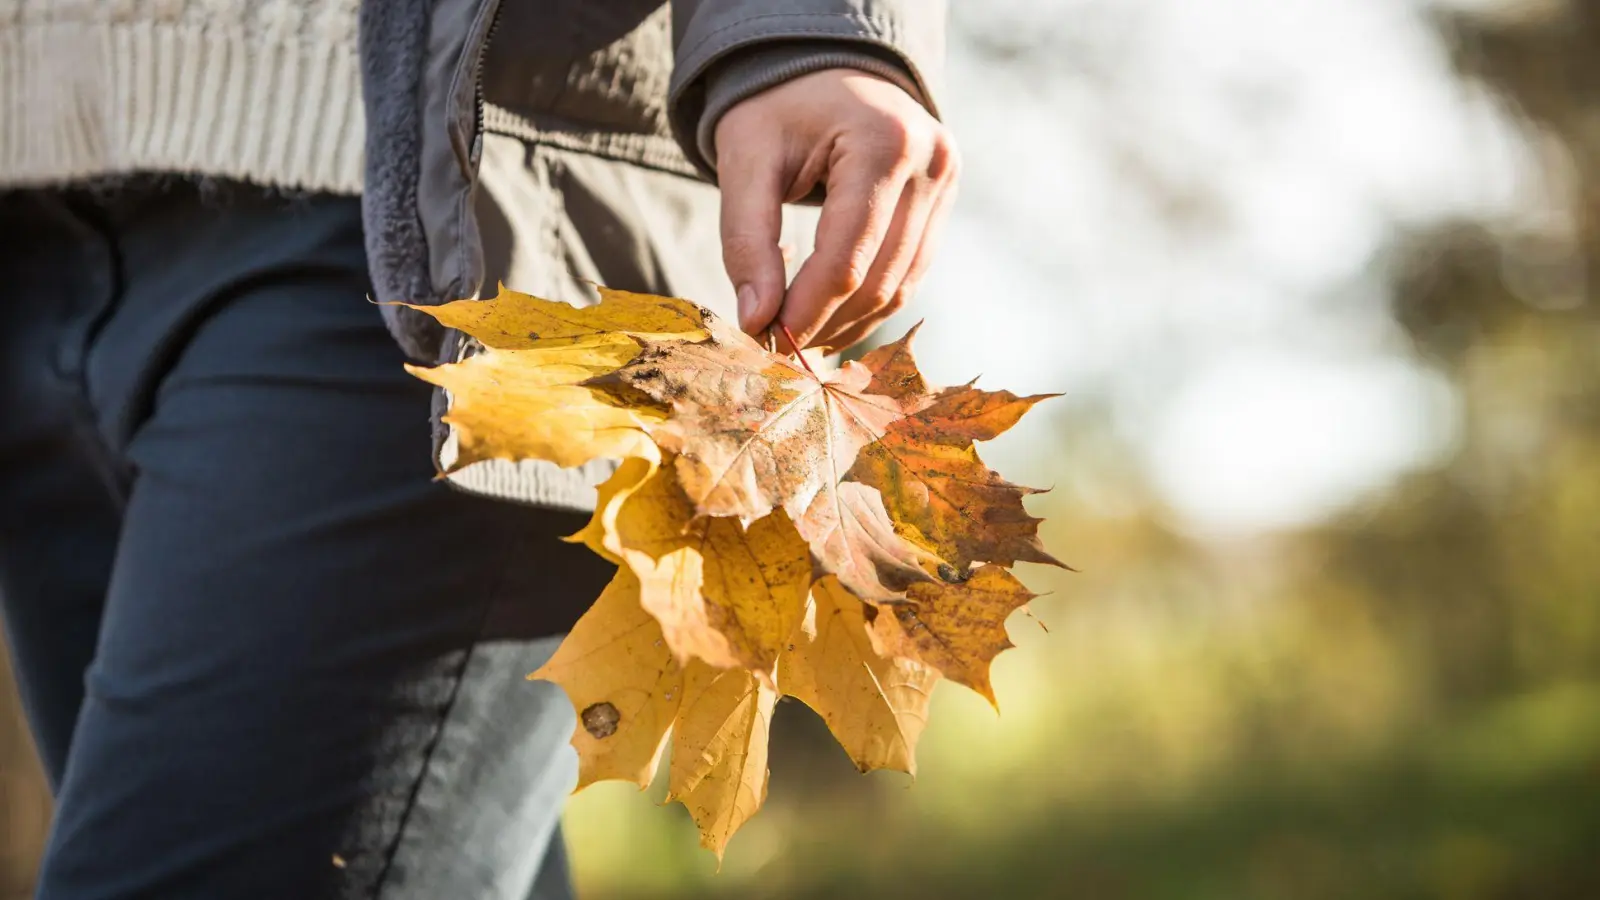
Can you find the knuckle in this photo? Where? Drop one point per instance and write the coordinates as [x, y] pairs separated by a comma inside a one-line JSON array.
[[894, 138], [944, 163], [848, 272], [849, 278], [742, 250], [874, 303]]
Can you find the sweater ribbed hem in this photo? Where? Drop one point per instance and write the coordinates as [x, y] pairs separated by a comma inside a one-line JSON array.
[[81, 100]]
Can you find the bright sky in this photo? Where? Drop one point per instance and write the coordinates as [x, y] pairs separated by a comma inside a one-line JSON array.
[[1175, 203]]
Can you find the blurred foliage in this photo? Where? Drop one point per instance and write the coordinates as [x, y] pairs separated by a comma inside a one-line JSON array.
[[1401, 703], [24, 802]]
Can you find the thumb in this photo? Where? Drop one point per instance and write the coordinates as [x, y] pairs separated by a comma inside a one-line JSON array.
[[752, 220]]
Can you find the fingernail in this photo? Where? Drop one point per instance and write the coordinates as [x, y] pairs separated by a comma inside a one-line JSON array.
[[747, 304]]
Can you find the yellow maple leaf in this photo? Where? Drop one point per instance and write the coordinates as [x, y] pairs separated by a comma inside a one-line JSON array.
[[876, 706], [527, 404], [719, 750], [725, 594], [623, 682], [609, 497], [516, 321], [522, 397]]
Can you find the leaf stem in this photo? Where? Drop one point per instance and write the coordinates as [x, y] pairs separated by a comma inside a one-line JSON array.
[[796, 345]]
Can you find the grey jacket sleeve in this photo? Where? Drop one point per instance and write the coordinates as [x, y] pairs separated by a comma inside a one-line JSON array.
[[751, 70], [727, 50]]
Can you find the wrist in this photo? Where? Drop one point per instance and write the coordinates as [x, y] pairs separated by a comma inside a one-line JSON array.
[[748, 72]]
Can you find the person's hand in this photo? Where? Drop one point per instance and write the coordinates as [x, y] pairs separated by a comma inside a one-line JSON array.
[[889, 169]]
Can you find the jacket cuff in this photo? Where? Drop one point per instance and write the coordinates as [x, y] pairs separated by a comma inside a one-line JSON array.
[[748, 72], [710, 34]]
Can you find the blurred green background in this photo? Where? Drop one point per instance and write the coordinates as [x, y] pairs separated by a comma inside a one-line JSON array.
[[1319, 282]]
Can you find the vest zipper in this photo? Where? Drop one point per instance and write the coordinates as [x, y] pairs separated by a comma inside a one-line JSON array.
[[477, 82]]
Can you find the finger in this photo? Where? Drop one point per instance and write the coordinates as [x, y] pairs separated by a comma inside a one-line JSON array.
[[752, 220], [894, 260], [861, 329], [856, 214]]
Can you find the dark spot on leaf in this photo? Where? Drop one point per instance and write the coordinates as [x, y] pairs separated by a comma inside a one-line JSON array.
[[647, 374], [600, 720], [533, 335], [952, 575]]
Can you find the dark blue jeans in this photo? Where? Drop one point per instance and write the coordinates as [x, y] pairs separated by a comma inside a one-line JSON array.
[[264, 653]]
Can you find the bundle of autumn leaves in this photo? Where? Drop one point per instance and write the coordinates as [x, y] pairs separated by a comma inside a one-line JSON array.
[[835, 539]]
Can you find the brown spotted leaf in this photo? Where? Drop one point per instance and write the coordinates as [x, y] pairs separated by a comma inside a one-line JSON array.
[[930, 477], [895, 373], [853, 538], [957, 628], [754, 432], [623, 683]]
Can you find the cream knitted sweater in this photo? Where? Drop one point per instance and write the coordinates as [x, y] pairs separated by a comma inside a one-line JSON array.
[[266, 91]]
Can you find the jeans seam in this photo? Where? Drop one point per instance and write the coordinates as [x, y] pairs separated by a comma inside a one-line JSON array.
[[471, 651], [76, 343]]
